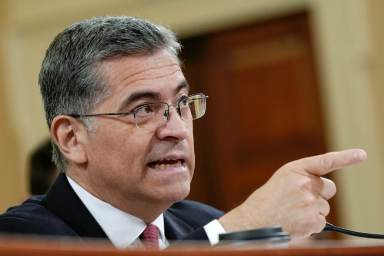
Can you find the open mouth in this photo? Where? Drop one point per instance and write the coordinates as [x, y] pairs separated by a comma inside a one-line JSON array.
[[167, 164]]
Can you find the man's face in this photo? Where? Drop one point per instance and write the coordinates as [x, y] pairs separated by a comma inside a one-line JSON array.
[[130, 164]]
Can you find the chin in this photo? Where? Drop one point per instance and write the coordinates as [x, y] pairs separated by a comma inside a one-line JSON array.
[[173, 195]]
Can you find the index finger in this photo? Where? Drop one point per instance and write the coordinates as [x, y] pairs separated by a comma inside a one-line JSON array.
[[322, 164]]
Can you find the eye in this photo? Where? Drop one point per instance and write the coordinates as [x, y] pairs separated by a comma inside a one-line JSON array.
[[145, 110], [183, 101]]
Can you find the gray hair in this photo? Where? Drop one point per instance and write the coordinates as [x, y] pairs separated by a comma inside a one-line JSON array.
[[69, 79]]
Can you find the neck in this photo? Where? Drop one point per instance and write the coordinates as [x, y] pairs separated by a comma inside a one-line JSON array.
[[141, 208]]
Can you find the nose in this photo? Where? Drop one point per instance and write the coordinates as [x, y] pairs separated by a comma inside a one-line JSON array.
[[174, 127]]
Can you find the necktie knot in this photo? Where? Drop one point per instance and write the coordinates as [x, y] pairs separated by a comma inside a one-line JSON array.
[[150, 237]]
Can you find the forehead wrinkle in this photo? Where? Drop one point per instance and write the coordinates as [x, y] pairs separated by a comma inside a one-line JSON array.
[[154, 77], [149, 69]]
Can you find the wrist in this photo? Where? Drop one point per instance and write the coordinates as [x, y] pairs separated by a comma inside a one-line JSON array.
[[236, 220]]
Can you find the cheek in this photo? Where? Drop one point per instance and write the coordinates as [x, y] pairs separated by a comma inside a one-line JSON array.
[[118, 150], [128, 154], [192, 148], [190, 137]]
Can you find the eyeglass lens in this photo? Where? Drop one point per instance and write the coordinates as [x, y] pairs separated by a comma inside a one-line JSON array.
[[156, 114]]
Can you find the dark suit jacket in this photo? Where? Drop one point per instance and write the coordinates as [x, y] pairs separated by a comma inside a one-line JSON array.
[[62, 213]]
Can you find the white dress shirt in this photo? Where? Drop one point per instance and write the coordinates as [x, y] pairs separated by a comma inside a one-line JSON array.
[[124, 229]]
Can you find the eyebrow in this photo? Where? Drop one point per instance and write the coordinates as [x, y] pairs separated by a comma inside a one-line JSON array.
[[151, 95], [183, 85]]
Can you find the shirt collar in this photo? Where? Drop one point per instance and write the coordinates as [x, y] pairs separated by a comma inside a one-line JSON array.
[[123, 229]]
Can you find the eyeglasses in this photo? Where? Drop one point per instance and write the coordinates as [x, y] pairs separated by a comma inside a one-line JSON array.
[[152, 115]]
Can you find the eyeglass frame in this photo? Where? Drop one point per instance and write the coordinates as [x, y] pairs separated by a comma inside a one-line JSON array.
[[133, 111]]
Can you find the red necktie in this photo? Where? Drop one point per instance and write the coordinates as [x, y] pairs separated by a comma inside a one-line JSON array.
[[150, 237]]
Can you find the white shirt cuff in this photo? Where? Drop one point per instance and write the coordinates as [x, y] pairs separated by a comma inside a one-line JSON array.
[[213, 230]]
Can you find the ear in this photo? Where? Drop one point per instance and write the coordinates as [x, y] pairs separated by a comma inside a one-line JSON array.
[[69, 135]]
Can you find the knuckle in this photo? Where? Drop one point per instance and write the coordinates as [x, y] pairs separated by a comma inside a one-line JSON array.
[[288, 166], [310, 225], [326, 161], [308, 200], [327, 208], [320, 223], [305, 185], [314, 224]]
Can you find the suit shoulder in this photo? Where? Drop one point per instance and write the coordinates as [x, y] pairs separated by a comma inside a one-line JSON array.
[[196, 207], [195, 211], [31, 217]]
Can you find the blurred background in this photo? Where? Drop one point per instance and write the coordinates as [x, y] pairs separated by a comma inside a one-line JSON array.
[[285, 79]]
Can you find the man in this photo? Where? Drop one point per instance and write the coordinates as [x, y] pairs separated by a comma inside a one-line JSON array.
[[120, 116]]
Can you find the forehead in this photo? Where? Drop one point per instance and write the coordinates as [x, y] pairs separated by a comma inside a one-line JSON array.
[[129, 72]]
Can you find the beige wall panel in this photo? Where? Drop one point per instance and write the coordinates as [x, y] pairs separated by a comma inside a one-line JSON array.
[[345, 48], [10, 156]]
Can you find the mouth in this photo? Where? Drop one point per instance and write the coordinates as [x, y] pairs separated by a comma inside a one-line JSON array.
[[167, 163]]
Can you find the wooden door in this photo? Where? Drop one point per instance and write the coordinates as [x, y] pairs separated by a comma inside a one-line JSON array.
[[264, 105]]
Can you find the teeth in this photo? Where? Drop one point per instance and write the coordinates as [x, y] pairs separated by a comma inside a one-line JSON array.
[[163, 166]]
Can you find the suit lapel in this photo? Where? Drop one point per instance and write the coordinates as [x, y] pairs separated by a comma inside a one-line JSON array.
[[174, 227], [62, 201]]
